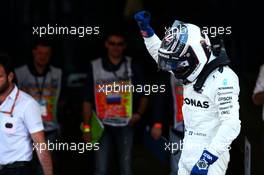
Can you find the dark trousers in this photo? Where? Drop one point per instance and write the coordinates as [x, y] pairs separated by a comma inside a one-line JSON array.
[[25, 170], [120, 138]]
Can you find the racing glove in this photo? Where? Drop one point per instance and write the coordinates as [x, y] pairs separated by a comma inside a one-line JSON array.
[[143, 20], [201, 167]]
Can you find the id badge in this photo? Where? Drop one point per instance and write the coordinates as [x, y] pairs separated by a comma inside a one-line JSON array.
[[43, 109]]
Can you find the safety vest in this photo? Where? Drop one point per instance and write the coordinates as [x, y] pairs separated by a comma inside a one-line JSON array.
[[45, 90], [177, 91], [113, 99]]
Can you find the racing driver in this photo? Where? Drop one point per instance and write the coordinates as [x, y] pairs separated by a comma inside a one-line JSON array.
[[211, 90]]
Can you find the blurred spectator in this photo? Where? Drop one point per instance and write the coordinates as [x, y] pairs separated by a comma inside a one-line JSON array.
[[115, 109], [20, 121], [43, 82], [167, 107], [258, 97]]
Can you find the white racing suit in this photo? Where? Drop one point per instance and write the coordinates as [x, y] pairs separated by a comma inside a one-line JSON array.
[[211, 117]]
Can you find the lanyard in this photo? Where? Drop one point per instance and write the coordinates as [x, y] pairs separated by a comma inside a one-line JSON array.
[[13, 106], [126, 71], [40, 86]]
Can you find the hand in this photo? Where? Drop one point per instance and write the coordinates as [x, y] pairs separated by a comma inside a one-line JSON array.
[[201, 167], [156, 132], [135, 118], [143, 20], [87, 137]]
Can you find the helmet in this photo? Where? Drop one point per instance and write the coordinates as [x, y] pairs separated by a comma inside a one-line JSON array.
[[184, 50]]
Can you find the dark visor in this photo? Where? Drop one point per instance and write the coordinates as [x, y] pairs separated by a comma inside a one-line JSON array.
[[172, 64]]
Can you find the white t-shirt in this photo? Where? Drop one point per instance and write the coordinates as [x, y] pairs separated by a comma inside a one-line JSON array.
[[260, 85], [15, 130]]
